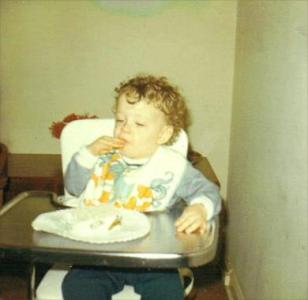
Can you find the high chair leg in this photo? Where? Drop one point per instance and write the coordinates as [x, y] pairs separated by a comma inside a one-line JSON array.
[[184, 274]]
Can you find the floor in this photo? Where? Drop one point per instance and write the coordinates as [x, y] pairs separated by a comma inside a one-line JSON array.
[[208, 284]]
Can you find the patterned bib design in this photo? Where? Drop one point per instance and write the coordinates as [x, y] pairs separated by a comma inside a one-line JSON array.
[[139, 187]]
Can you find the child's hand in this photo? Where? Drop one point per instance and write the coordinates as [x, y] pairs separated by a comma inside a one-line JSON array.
[[105, 144], [193, 219]]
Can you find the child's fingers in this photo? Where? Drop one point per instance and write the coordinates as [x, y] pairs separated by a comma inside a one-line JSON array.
[[190, 224], [193, 228], [185, 222], [112, 142], [105, 144], [118, 143], [187, 217]]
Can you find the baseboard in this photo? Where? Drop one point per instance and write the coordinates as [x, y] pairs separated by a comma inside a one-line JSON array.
[[232, 285]]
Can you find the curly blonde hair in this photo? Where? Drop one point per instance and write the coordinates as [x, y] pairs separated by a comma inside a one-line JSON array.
[[159, 92]]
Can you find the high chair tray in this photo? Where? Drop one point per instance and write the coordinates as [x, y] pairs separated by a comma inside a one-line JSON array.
[[162, 247]]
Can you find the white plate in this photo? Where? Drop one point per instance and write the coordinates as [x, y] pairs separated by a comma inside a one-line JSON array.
[[83, 224]]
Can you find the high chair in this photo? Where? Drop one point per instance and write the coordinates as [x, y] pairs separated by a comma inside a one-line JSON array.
[[75, 135]]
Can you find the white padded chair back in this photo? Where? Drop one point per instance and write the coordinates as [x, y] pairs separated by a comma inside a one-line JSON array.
[[82, 132]]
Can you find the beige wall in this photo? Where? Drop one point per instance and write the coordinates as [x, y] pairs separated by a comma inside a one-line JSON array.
[[59, 57], [267, 186]]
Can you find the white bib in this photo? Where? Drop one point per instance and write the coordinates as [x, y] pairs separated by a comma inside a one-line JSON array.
[[148, 187]]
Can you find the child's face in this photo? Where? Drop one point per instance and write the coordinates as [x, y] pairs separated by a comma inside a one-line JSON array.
[[142, 126]]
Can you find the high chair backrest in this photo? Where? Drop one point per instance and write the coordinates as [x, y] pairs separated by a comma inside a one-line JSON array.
[[82, 132]]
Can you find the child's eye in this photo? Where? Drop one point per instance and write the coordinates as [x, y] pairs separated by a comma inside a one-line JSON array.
[[119, 120], [139, 124]]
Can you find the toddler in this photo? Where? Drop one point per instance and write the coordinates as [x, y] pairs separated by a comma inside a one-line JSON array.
[[134, 169]]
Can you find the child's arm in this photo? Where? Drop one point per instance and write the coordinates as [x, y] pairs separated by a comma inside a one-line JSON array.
[[203, 199], [80, 167], [78, 171]]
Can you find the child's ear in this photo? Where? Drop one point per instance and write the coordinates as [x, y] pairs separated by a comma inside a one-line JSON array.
[[165, 134]]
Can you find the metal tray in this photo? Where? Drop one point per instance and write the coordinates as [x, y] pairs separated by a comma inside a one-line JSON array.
[[163, 247]]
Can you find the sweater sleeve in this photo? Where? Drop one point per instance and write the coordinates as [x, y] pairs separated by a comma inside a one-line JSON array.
[[195, 188], [78, 172]]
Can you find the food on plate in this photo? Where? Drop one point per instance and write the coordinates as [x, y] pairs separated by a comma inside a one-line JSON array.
[[108, 222]]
